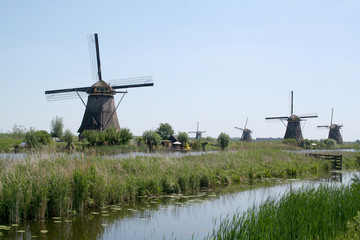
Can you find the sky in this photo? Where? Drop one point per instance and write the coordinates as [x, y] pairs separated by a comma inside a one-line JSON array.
[[212, 62]]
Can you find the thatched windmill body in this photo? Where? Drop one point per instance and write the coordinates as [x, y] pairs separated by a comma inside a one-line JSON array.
[[100, 109], [293, 127], [246, 133], [334, 130], [198, 133]]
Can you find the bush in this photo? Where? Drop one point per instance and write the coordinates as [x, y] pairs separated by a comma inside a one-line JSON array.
[[195, 145], [69, 138], [110, 136], [125, 136], [183, 137], [152, 139], [37, 138], [223, 140], [57, 127], [290, 141]]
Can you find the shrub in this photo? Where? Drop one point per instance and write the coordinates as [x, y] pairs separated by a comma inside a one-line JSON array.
[[223, 140], [152, 139], [57, 127], [125, 136], [290, 141], [110, 136], [183, 137], [37, 138], [69, 138]]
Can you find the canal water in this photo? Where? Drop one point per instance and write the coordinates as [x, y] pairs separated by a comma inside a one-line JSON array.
[[165, 217]]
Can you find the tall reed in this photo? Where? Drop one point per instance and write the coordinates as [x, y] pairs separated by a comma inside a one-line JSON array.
[[307, 213], [60, 185]]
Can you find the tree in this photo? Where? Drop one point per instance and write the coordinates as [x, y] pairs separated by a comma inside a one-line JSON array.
[[223, 140], [69, 138], [183, 137], [18, 131], [57, 127], [152, 139], [165, 130], [125, 136]]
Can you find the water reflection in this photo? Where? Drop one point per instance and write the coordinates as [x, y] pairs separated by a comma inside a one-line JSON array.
[[176, 216]]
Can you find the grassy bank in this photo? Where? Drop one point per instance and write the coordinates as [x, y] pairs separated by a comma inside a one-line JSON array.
[[46, 186], [309, 213]]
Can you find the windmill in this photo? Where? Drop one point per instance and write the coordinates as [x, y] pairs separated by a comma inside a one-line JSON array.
[[293, 128], [246, 133], [100, 110], [197, 132], [334, 130]]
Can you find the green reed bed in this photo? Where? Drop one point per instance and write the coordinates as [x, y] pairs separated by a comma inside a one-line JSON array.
[[307, 213], [46, 186]]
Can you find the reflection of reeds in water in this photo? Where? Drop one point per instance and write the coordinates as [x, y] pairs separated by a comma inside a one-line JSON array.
[[307, 213], [40, 187]]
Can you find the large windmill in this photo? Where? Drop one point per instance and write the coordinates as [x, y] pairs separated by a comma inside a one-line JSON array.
[[293, 128], [334, 130], [246, 133], [197, 132], [100, 110]]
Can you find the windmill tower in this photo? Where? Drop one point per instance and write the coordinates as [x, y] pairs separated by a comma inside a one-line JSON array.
[[334, 130], [197, 132], [246, 133], [100, 110], [293, 128]]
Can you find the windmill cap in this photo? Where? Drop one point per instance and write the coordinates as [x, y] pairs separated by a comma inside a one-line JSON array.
[[335, 126], [294, 118], [101, 88]]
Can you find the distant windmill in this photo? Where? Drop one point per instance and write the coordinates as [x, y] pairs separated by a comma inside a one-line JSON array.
[[100, 110], [197, 132], [334, 130], [293, 128], [246, 133]]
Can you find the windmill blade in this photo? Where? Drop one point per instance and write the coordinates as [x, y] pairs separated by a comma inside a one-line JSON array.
[[323, 126], [308, 116], [65, 96], [246, 122], [145, 81], [239, 128], [67, 90], [332, 115], [270, 118]]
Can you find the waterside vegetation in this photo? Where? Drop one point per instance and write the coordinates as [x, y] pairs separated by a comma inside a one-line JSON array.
[[324, 213], [61, 185]]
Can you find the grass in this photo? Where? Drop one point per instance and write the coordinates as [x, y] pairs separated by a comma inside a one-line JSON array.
[[7, 143], [60, 185], [308, 213]]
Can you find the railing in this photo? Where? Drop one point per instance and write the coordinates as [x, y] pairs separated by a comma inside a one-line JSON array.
[[336, 160]]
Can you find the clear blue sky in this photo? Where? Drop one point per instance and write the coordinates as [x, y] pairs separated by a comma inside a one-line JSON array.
[[216, 62]]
